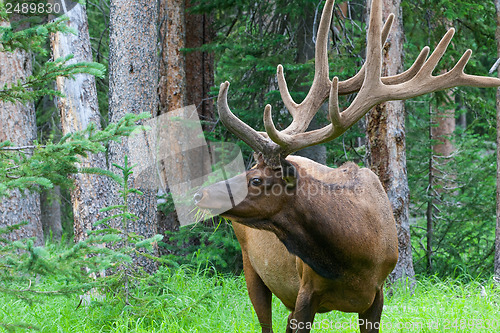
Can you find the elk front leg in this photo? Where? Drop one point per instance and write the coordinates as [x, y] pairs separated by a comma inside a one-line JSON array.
[[260, 296], [288, 328], [369, 321], [301, 319]]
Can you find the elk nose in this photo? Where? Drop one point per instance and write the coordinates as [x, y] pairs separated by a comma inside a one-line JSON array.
[[197, 197]]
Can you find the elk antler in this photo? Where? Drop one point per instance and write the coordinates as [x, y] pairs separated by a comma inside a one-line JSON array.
[[371, 87]]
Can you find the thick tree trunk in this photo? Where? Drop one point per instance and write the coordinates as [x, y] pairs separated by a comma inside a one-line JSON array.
[[51, 213], [185, 79], [172, 86], [497, 230], [18, 125], [78, 109], [133, 84], [387, 145]]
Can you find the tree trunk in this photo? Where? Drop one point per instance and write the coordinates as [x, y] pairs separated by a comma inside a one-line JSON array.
[[133, 83], [387, 145], [18, 125], [441, 130], [172, 86], [497, 230], [51, 213], [199, 66], [78, 109], [185, 79], [429, 214]]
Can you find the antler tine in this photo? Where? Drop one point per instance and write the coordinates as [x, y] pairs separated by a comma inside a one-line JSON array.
[[438, 53], [250, 136], [455, 77], [333, 104], [373, 48], [303, 113], [354, 83], [292, 143]]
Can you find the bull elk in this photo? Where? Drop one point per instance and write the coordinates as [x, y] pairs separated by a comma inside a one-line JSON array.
[[323, 239]]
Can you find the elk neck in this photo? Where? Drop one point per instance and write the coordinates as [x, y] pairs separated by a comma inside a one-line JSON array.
[[311, 226]]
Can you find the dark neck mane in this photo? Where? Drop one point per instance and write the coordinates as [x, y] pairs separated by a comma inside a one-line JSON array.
[[308, 230]]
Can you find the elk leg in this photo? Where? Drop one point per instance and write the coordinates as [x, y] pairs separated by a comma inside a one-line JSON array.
[[288, 328], [369, 321], [303, 315], [260, 296]]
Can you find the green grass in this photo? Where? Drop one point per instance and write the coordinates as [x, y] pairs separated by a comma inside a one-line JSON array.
[[199, 301]]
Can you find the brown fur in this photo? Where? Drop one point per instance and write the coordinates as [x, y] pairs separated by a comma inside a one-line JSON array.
[[316, 253]]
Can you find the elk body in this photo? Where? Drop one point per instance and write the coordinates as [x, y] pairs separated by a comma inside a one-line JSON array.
[[323, 239]]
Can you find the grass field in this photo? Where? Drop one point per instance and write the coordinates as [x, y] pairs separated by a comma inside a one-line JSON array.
[[200, 301]]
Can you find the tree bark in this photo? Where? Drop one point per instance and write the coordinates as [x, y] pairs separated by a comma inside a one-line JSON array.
[[18, 125], [172, 86], [497, 229], [199, 66], [133, 83], [78, 109], [387, 145], [442, 131], [185, 79]]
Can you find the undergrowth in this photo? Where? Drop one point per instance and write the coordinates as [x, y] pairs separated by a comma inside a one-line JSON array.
[[191, 299]]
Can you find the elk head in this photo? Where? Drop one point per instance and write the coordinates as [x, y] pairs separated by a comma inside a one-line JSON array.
[[274, 145], [268, 189]]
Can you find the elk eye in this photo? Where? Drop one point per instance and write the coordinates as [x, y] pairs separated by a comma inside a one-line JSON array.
[[256, 181]]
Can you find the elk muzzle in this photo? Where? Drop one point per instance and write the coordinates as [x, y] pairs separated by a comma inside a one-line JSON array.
[[222, 196]]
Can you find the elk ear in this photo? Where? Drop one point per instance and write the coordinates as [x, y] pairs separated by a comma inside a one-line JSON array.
[[288, 173]]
